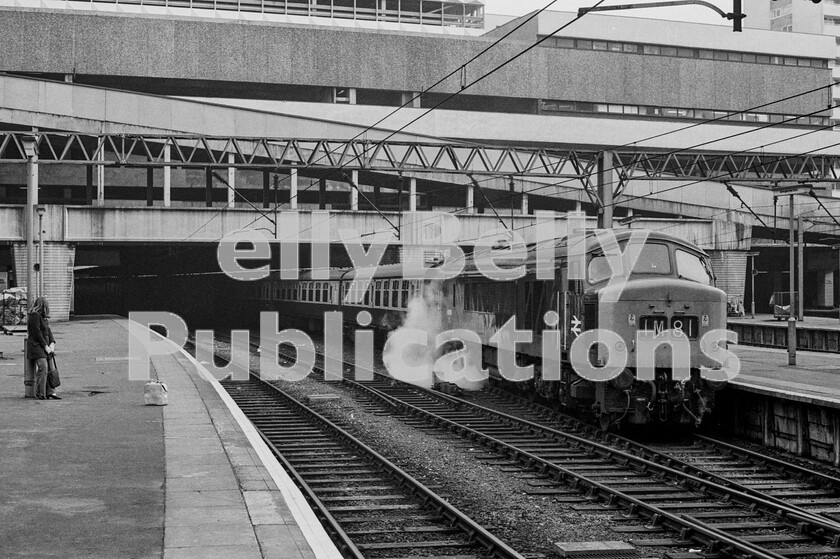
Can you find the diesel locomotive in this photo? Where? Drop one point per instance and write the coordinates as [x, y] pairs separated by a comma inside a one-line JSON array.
[[666, 296]]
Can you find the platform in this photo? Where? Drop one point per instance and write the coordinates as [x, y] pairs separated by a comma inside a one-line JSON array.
[[814, 333], [792, 407], [815, 379], [98, 474]]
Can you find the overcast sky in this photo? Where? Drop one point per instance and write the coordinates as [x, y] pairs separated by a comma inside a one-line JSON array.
[[683, 13]]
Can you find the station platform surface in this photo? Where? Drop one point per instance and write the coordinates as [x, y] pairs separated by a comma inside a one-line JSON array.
[[822, 322], [98, 474], [815, 379]]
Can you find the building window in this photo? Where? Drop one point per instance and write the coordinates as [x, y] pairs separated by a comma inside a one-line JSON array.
[[343, 95], [549, 107], [682, 52]]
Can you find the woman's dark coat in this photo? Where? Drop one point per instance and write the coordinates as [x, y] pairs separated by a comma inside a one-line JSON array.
[[40, 336]]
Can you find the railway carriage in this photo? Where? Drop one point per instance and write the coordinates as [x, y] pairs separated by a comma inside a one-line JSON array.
[[670, 288]]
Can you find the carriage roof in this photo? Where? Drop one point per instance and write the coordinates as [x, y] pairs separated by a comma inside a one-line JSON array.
[[395, 271]]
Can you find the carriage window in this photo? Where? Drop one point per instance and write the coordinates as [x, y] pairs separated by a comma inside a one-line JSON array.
[[692, 267], [377, 293], [319, 289], [395, 293], [405, 298], [367, 294]]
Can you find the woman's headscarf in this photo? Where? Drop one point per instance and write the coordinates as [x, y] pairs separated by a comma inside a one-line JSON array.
[[42, 307]]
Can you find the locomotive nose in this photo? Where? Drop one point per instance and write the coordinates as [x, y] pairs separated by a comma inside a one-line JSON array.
[[662, 290]]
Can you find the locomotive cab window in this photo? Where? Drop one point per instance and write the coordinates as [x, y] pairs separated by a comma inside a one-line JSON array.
[[693, 267], [653, 259]]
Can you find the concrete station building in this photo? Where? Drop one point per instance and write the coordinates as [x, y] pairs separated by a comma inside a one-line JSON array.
[[334, 69]]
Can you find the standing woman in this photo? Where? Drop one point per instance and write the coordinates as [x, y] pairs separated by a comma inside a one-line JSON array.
[[40, 345]]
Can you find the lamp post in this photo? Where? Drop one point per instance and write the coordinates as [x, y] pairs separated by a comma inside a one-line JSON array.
[[753, 273], [792, 190], [792, 288], [41, 210], [30, 150]]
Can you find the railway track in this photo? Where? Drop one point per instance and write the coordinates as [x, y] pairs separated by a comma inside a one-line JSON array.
[[370, 506], [779, 481], [655, 498], [671, 500]]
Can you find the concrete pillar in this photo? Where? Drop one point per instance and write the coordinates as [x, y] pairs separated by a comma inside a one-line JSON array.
[[470, 199], [231, 179], [100, 185], [412, 194], [605, 190], [293, 192], [825, 288], [578, 206], [167, 176], [524, 203], [354, 191]]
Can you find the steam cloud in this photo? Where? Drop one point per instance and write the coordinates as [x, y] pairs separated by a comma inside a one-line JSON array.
[[418, 362]]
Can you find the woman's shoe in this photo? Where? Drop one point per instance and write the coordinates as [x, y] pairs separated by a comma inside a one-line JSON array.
[[54, 397]]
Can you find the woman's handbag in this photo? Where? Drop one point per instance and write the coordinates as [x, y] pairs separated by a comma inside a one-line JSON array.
[[53, 380]]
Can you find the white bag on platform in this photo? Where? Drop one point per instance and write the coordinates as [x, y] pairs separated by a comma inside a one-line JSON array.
[[155, 393]]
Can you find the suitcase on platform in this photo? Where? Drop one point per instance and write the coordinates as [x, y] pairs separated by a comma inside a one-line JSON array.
[[155, 393]]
